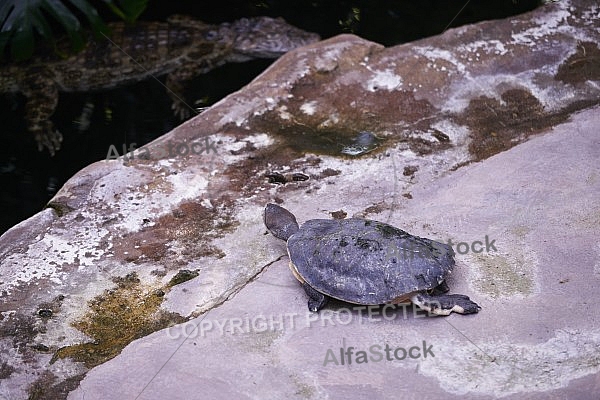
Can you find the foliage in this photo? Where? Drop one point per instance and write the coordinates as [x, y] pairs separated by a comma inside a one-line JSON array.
[[22, 20], [130, 9]]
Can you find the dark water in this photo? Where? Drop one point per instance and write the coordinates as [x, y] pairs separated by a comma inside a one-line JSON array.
[[140, 113]]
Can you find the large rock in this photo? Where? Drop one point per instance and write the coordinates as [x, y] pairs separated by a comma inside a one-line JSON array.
[[130, 247]]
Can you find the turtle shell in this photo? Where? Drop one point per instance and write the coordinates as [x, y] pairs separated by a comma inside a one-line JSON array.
[[367, 262]]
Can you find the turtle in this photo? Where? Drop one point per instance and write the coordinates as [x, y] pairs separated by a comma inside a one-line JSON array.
[[366, 262]]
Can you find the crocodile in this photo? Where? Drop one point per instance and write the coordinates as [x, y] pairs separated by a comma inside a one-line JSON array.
[[180, 48]]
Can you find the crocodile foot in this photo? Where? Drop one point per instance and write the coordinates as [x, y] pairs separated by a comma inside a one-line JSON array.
[[182, 110], [48, 138]]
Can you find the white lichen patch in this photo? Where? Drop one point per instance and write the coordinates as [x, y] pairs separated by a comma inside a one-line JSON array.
[[505, 274], [457, 134], [284, 113], [270, 104], [518, 367], [495, 47], [590, 16], [387, 80], [542, 27], [23, 273], [434, 53], [309, 108], [238, 112], [189, 185], [260, 140], [328, 59], [230, 145], [185, 185], [50, 255], [332, 120]]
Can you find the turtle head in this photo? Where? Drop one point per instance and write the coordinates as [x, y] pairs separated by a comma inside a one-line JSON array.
[[280, 222], [265, 37]]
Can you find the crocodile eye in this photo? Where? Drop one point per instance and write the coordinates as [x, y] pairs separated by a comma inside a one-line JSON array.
[[211, 35]]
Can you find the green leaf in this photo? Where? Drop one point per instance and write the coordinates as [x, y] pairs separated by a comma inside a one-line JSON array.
[[21, 19], [116, 10], [22, 43], [40, 24], [133, 8], [98, 26], [128, 10], [17, 29], [68, 21], [4, 38]]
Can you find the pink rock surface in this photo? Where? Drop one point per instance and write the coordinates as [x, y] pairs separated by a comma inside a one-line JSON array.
[[485, 130]]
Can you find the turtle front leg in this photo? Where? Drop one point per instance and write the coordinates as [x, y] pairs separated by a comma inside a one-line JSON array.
[[316, 300], [444, 304], [439, 289]]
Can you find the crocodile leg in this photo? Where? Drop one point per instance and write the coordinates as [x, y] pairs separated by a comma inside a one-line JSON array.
[[176, 82], [42, 98], [203, 60]]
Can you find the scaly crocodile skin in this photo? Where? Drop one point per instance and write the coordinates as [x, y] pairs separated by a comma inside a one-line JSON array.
[[181, 48]]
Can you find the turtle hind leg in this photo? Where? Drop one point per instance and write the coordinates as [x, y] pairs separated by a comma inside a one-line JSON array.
[[316, 300], [444, 304]]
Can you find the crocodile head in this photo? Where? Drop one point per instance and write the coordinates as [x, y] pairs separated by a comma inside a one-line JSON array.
[[264, 37]]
